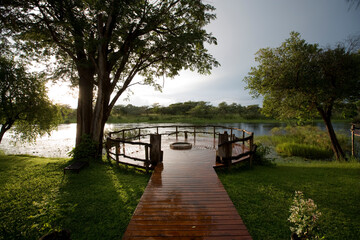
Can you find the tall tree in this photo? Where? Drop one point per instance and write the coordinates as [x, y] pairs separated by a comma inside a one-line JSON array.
[[102, 45], [24, 102], [300, 80]]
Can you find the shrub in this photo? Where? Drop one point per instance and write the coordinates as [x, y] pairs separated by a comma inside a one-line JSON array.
[[304, 217], [261, 157], [86, 150]]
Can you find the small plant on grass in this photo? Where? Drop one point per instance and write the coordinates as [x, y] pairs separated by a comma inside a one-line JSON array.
[[304, 218]]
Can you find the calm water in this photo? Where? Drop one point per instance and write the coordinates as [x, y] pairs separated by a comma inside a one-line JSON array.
[[62, 141]]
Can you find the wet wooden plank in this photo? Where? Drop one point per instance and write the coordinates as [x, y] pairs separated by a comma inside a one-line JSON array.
[[185, 199]]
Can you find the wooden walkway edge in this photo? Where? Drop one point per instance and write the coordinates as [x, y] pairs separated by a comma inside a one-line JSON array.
[[185, 199]]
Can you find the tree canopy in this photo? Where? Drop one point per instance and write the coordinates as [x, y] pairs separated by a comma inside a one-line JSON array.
[[300, 80], [24, 103], [103, 45]]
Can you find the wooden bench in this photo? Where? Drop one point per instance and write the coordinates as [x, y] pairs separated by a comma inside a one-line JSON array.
[[76, 166]]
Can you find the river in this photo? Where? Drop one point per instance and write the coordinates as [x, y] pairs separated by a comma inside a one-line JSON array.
[[61, 141]]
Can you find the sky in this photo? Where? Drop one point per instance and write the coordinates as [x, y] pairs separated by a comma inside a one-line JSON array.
[[242, 27]]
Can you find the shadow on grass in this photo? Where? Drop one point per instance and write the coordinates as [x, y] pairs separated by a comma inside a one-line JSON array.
[[263, 196], [99, 201]]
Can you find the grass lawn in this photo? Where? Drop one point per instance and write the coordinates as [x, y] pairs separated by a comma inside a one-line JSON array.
[[36, 198], [263, 196], [98, 202]]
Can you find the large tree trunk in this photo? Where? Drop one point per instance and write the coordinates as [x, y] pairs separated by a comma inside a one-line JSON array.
[[2, 132], [84, 110], [100, 117], [5, 127], [103, 97], [339, 153]]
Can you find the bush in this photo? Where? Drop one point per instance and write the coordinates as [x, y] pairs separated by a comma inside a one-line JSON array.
[[304, 217], [87, 150], [261, 157]]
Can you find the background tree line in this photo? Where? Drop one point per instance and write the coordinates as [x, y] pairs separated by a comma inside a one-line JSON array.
[[204, 110]]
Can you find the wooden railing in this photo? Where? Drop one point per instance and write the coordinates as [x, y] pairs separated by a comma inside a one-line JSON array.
[[110, 143], [133, 136]]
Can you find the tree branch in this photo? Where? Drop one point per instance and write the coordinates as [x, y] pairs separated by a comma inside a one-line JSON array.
[[53, 35]]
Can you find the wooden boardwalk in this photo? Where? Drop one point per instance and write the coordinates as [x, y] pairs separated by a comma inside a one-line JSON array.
[[185, 199]]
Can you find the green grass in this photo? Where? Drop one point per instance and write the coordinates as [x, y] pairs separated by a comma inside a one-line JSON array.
[[36, 198], [263, 196], [98, 202], [303, 150]]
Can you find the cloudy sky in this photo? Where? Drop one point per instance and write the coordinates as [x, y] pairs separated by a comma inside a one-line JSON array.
[[243, 27]]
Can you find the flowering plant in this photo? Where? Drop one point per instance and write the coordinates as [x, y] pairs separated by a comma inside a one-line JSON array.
[[304, 217]]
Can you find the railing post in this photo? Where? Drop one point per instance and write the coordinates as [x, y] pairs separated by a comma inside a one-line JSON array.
[[155, 149], [117, 150], [139, 134], [252, 149], [123, 138], [108, 146], [243, 141], [147, 158], [176, 132], [214, 133], [186, 136], [353, 140], [194, 133], [251, 140]]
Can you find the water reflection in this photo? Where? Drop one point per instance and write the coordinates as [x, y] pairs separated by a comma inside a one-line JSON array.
[[63, 140]]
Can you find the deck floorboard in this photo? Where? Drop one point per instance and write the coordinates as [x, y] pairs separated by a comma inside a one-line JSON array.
[[185, 199]]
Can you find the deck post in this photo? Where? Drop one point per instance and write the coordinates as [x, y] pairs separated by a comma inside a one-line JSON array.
[[117, 150], [251, 140], [194, 133], [353, 139], [123, 138], [155, 149], [176, 132], [243, 136], [108, 146], [147, 158], [186, 137], [225, 151]]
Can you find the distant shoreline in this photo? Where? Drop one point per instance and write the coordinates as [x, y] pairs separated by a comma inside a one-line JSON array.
[[187, 119]]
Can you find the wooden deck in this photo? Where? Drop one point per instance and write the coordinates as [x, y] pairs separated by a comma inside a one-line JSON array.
[[185, 199]]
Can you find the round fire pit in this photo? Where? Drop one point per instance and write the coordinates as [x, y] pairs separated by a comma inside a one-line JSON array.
[[180, 146]]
